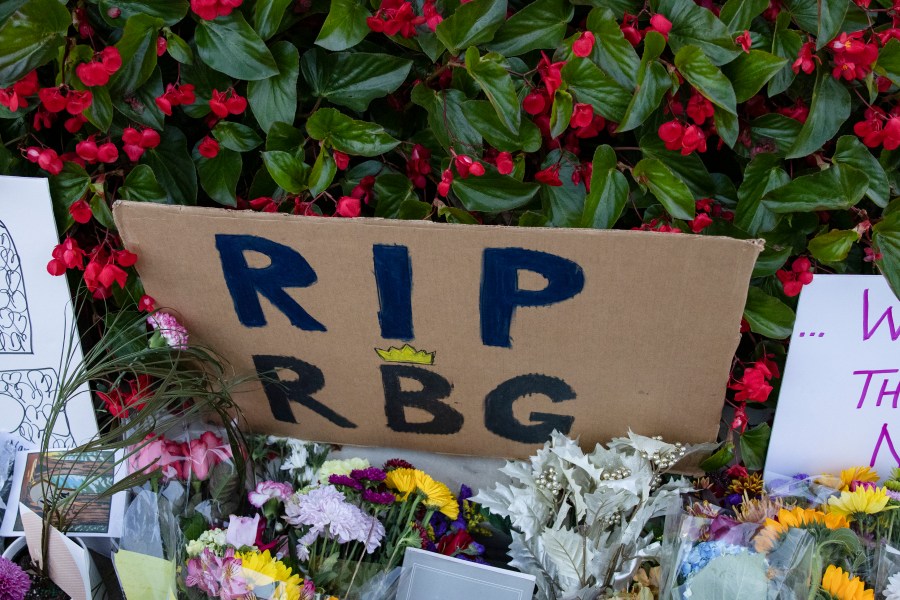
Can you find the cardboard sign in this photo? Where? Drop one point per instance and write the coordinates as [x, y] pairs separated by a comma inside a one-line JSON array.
[[36, 321], [451, 338], [437, 577], [841, 388]]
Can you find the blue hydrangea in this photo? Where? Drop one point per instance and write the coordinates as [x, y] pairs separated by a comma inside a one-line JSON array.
[[702, 553]]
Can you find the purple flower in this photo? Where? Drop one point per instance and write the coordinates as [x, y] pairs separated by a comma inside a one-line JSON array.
[[269, 490], [378, 497], [217, 577], [465, 492], [242, 531], [344, 480], [14, 582], [326, 513], [370, 474]]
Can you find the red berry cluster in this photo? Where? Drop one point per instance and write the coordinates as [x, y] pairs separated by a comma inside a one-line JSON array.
[[136, 142], [175, 95], [98, 71], [227, 103], [105, 265], [799, 275]]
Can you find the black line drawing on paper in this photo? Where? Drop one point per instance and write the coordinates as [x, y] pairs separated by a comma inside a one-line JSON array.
[[26, 397], [15, 321]]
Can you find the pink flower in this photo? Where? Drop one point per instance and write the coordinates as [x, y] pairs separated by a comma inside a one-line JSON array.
[[159, 454], [744, 41], [170, 329], [241, 531], [584, 44], [348, 207], [269, 490], [660, 24], [799, 275]]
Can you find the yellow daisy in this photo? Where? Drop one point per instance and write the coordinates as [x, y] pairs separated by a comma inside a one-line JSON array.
[[800, 518], [261, 569], [840, 586], [864, 474], [437, 495], [403, 481], [864, 500]]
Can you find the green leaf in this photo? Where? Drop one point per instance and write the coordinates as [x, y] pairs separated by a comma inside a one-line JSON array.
[[741, 575], [179, 49], [31, 36], [737, 14], [701, 73], [833, 247], [563, 204], [101, 212], [653, 82], [235, 136], [589, 85], [697, 26], [413, 210], [70, 185], [484, 118], [219, 175], [780, 129], [727, 126], [838, 187], [613, 52], [288, 171], [889, 61], [560, 113], [763, 173], [539, 25], [353, 79], [493, 193], [769, 261], [141, 185], [786, 43], [173, 167], [170, 11], [720, 459], [392, 190], [446, 116], [850, 151], [754, 445], [322, 174], [471, 24], [749, 72], [456, 215], [267, 16], [831, 17], [609, 191], [829, 109], [690, 169], [284, 137], [674, 195], [141, 107], [768, 316], [887, 239], [345, 26], [138, 49], [100, 112], [358, 138], [275, 99], [618, 7], [229, 45], [497, 86]]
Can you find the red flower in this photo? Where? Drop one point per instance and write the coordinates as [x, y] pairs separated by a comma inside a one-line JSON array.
[[175, 95], [208, 148], [81, 211], [465, 164], [146, 303], [671, 133], [806, 59], [419, 165], [700, 222], [443, 187], [77, 101], [341, 159], [348, 206], [793, 281], [74, 124], [52, 99], [210, 9], [125, 258], [694, 139], [107, 153], [92, 74], [68, 255], [397, 17], [130, 395], [505, 163], [534, 103], [699, 109], [871, 129], [744, 41], [15, 96], [739, 422], [551, 73], [87, 149], [549, 176], [225, 103], [583, 45], [363, 190], [754, 384], [432, 17], [161, 45], [630, 30], [892, 134], [582, 115], [660, 24], [46, 158]]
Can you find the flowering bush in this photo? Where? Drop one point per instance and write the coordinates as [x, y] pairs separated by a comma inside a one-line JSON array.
[[757, 118]]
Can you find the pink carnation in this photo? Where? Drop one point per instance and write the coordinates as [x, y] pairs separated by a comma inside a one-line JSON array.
[[170, 329]]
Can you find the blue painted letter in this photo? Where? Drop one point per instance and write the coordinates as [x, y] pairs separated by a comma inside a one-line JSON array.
[[501, 295], [393, 276], [287, 269]]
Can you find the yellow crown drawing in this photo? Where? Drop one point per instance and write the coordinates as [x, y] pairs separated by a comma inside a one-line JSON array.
[[406, 354]]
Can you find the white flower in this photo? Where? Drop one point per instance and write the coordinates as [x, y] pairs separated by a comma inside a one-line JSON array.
[[892, 591], [214, 539], [340, 467]]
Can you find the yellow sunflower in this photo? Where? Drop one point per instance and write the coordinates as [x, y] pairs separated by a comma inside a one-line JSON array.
[[864, 474], [838, 584], [864, 500], [261, 569], [403, 481], [800, 518], [437, 495]]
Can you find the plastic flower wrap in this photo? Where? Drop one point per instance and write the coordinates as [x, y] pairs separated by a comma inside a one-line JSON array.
[[579, 519], [286, 460]]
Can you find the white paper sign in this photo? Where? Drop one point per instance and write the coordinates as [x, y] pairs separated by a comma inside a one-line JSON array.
[[35, 320], [438, 577], [840, 398]]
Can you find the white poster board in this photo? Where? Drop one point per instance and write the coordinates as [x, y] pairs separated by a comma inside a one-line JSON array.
[[35, 320], [839, 399]]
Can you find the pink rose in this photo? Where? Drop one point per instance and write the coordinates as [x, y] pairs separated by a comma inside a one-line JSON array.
[[199, 459], [268, 490], [147, 455], [241, 531]]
